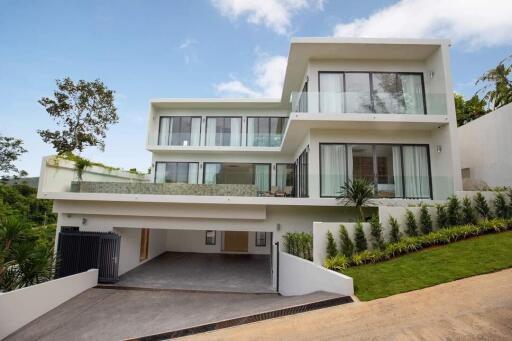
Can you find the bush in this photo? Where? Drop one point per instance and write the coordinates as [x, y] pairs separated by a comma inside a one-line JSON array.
[[468, 216], [394, 233], [453, 211], [425, 220], [359, 238], [346, 245], [410, 223], [376, 232], [502, 210], [481, 206], [331, 246], [299, 244], [336, 263], [442, 217]]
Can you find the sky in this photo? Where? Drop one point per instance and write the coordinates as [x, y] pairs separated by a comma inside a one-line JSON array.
[[147, 49]]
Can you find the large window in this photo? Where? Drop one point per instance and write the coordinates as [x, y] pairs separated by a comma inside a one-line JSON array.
[[176, 172], [223, 131], [366, 92], [396, 171], [285, 177], [301, 174], [238, 173], [179, 131], [265, 131]]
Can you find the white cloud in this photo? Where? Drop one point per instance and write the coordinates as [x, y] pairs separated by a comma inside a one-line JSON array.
[[188, 42], [274, 14], [269, 76], [189, 53], [476, 23]]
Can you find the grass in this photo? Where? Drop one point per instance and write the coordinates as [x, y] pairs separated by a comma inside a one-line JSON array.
[[433, 266]]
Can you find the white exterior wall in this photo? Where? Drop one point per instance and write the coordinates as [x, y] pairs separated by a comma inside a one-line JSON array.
[[486, 147], [21, 306]]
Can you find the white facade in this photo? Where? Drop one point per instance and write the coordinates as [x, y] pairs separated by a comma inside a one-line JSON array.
[[486, 148], [385, 111]]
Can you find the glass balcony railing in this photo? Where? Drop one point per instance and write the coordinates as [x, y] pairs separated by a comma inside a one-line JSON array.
[[366, 103], [224, 139], [264, 140]]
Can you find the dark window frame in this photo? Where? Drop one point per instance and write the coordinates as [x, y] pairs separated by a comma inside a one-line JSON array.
[[374, 170], [292, 164], [214, 237], [256, 239], [302, 174], [206, 130], [170, 135], [283, 118], [177, 162], [370, 76], [244, 163]]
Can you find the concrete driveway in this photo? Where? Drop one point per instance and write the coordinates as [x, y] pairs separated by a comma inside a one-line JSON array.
[[203, 271], [476, 308]]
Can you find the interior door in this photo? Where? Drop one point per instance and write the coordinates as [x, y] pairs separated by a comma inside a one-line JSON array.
[[236, 241]]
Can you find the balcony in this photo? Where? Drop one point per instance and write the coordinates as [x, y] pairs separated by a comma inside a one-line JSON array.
[[363, 102]]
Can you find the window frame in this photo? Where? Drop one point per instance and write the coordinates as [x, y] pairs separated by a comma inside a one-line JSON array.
[[427, 146], [301, 184], [292, 164], [256, 239], [206, 130], [170, 135], [214, 237], [243, 163], [269, 125], [370, 76], [177, 162]]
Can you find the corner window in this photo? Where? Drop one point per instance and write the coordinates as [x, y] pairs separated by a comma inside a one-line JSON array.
[[261, 239], [211, 237]]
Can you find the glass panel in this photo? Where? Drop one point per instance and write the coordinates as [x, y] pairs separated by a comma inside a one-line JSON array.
[[331, 89], [182, 172], [284, 177], [412, 92], [362, 162], [357, 93], [262, 177], [195, 131], [261, 238], [193, 171], [236, 131], [160, 172], [211, 171], [163, 133], [389, 171], [387, 97], [415, 159], [265, 131], [333, 168], [210, 237], [211, 131]]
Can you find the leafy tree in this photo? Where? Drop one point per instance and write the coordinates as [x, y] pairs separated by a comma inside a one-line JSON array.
[[502, 209], [394, 233], [481, 206], [331, 246], [359, 238], [453, 211], [410, 223], [497, 84], [84, 110], [468, 215], [10, 150], [425, 220], [376, 232], [357, 192], [469, 110], [346, 245], [442, 217]]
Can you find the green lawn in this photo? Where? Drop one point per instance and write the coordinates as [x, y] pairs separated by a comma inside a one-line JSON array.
[[433, 266]]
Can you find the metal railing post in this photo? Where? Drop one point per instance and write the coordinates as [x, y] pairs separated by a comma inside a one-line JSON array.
[[277, 265]]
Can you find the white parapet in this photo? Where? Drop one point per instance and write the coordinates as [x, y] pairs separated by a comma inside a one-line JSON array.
[[21, 306], [298, 276]]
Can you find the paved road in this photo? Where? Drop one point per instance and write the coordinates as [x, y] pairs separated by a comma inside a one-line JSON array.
[[476, 308]]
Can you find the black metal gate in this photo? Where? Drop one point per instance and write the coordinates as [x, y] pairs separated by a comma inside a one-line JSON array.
[[80, 251]]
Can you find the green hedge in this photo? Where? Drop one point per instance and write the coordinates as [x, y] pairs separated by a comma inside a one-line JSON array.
[[411, 244]]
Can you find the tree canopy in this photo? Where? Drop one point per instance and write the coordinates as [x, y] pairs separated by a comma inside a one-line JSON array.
[[10, 150], [83, 111]]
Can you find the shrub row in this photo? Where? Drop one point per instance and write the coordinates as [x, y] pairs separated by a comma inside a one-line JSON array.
[[299, 244], [411, 244]]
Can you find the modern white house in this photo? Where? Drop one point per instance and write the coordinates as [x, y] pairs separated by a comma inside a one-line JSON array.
[[232, 176]]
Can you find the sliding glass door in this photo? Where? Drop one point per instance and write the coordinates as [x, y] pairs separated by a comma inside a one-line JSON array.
[[284, 176], [396, 171], [179, 131], [176, 172], [223, 131], [238, 173], [265, 131]]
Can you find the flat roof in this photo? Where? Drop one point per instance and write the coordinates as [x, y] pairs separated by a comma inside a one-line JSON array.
[[219, 103]]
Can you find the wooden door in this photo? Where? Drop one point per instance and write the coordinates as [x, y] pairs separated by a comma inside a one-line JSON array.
[[236, 241]]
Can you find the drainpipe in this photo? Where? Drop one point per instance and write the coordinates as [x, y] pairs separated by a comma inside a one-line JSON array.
[[277, 266]]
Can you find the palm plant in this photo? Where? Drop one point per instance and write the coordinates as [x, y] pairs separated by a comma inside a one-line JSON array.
[[497, 84], [357, 192]]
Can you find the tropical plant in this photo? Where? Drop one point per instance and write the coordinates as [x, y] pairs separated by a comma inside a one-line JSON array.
[[453, 211], [331, 246], [394, 233], [410, 223], [80, 165], [502, 209], [10, 150], [442, 217], [425, 220], [357, 192], [497, 84], [346, 245], [481, 206], [469, 110], [336, 263], [299, 244], [84, 110], [468, 215], [359, 238], [376, 232]]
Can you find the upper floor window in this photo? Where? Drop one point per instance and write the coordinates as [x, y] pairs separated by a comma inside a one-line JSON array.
[[223, 131], [368, 92], [176, 172], [179, 131], [238, 173], [265, 131]]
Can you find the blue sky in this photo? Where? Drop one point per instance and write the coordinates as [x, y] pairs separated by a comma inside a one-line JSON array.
[[203, 48]]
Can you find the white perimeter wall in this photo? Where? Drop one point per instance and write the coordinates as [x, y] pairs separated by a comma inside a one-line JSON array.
[[486, 147], [298, 276], [19, 307]]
